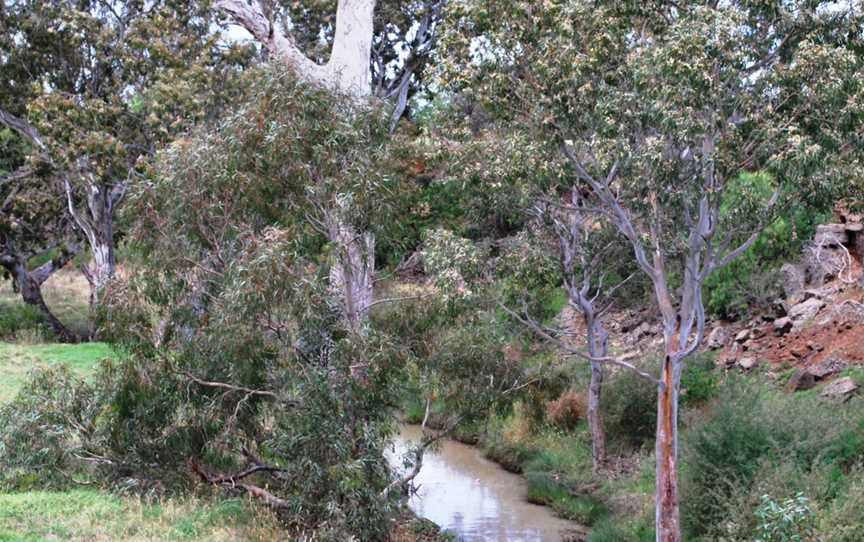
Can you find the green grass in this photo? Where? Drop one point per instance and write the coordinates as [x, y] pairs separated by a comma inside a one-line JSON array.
[[91, 515], [17, 360]]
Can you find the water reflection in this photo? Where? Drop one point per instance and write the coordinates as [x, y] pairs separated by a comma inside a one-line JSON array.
[[474, 498]]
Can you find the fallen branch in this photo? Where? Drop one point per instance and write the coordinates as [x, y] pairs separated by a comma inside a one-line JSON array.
[[230, 482], [428, 440]]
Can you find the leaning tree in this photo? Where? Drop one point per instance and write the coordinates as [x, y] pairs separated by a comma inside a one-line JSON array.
[[658, 111]]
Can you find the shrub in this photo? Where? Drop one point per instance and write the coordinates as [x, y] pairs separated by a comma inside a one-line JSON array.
[[752, 279], [790, 520], [755, 441], [630, 408], [18, 317], [699, 380], [568, 410], [843, 520]]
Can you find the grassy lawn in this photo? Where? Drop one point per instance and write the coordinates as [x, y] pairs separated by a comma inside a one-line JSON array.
[[89, 515], [16, 360]]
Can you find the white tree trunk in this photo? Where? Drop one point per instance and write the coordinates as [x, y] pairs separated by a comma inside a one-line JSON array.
[[347, 71], [352, 270]]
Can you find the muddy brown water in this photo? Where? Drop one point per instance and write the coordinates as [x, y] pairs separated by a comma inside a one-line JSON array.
[[474, 498]]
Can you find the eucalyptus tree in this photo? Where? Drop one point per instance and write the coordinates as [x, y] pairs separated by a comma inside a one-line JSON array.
[[357, 53], [585, 250], [96, 87], [35, 226], [658, 110]]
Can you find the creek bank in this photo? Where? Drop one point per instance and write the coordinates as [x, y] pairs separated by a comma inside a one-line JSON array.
[[474, 498]]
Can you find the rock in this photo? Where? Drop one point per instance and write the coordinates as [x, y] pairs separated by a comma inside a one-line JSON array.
[[643, 330], [826, 368], [853, 227], [814, 346], [804, 311], [782, 326], [800, 351], [747, 363], [794, 280], [820, 293], [801, 380], [742, 336], [757, 333], [830, 235], [842, 388], [718, 338]]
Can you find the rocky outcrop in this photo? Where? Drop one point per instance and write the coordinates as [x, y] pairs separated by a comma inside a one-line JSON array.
[[842, 388], [805, 311], [718, 338], [801, 380]]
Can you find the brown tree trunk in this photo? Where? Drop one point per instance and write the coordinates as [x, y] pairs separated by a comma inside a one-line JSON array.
[[30, 286], [667, 514]]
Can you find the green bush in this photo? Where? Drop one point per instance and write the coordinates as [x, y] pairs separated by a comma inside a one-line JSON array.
[[755, 441], [752, 280], [699, 380], [629, 407], [18, 317], [790, 520]]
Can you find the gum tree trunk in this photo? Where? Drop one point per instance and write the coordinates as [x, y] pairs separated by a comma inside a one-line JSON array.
[[667, 502], [597, 348], [29, 284], [352, 270], [96, 221]]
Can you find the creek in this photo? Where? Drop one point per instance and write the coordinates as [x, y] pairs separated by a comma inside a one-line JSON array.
[[474, 498]]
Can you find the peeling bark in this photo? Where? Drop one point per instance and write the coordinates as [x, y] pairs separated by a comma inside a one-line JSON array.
[[667, 510], [597, 348], [96, 221]]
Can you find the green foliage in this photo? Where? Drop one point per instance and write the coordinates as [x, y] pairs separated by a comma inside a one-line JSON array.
[[43, 428], [19, 317], [615, 530], [629, 408], [752, 280], [756, 441], [530, 273], [791, 520], [700, 380]]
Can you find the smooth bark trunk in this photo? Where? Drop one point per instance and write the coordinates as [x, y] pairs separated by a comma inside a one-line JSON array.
[[96, 221], [597, 348], [352, 270], [346, 72], [667, 513]]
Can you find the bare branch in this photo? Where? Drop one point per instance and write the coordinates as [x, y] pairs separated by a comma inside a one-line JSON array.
[[619, 361], [22, 127], [239, 389], [428, 440]]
